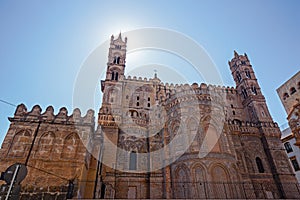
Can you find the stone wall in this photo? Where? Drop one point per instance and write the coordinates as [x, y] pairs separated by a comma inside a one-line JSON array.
[[60, 151]]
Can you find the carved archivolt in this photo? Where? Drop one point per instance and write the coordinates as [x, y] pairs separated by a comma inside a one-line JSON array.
[[132, 143]]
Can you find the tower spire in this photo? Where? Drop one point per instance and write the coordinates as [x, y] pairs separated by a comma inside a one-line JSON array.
[[248, 88]]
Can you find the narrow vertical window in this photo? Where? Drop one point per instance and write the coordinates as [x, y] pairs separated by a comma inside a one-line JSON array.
[[253, 89], [137, 103], [148, 105], [116, 60], [113, 76], [259, 165], [247, 72], [132, 162], [117, 76], [244, 93], [238, 76]]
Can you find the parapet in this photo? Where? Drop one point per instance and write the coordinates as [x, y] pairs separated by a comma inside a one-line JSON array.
[[36, 115]]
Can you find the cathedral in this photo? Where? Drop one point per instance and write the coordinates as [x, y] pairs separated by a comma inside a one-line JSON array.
[[153, 140]]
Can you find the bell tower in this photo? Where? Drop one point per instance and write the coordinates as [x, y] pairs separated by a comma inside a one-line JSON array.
[[247, 86], [116, 59]]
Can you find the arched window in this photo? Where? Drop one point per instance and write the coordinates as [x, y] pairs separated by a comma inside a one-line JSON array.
[[259, 164], [70, 146], [298, 85], [244, 93], [293, 90], [45, 145], [247, 72], [132, 161], [20, 144], [112, 75], [238, 76], [253, 89], [181, 183], [116, 60]]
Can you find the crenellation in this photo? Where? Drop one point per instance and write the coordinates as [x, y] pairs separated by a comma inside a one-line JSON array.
[[48, 116], [228, 139]]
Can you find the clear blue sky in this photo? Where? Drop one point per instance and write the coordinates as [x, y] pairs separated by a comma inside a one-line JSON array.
[[44, 43]]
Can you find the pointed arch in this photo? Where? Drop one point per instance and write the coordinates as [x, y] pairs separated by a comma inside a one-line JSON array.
[[219, 173], [45, 145], [198, 169], [182, 182], [70, 146], [221, 181], [20, 144]]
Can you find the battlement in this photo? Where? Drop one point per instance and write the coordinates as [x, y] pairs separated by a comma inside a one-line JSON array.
[[140, 79], [181, 87], [36, 115]]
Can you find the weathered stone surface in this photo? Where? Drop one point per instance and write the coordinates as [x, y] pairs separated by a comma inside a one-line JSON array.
[[155, 140]]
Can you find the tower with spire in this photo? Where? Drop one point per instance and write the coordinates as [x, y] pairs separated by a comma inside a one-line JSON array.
[[247, 86], [116, 58]]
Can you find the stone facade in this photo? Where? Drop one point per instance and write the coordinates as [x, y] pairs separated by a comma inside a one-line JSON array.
[[217, 142], [58, 154], [156, 140]]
